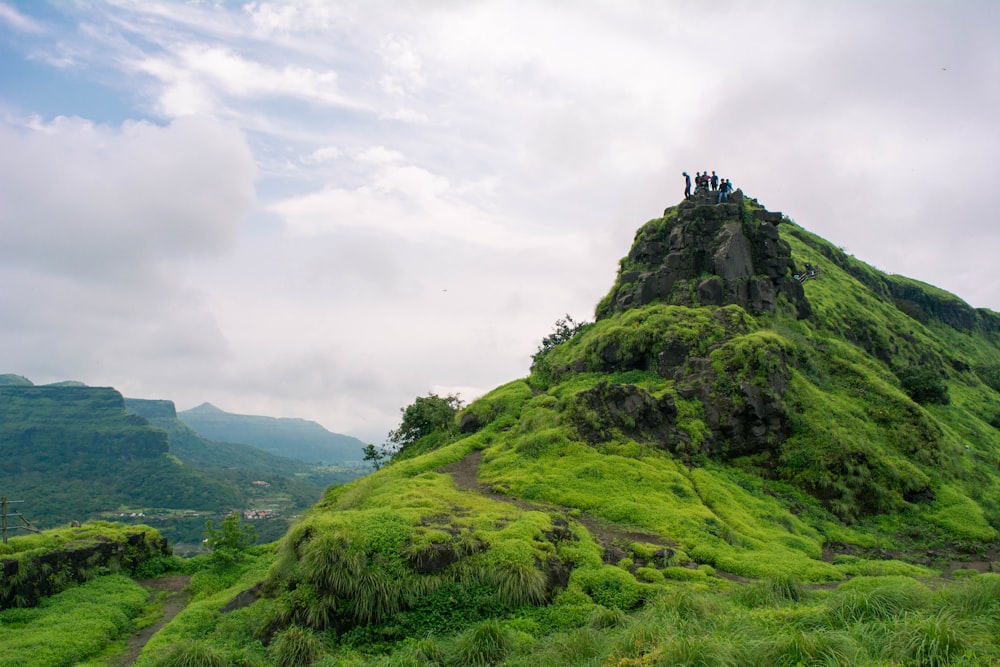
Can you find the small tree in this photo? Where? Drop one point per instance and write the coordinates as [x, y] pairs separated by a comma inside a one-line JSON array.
[[231, 540], [563, 330], [374, 455], [426, 416]]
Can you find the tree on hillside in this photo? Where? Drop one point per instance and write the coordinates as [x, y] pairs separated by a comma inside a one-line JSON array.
[[375, 455], [230, 540], [430, 415]]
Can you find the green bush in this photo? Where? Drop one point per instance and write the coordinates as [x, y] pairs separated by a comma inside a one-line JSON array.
[[923, 384], [230, 541], [612, 587]]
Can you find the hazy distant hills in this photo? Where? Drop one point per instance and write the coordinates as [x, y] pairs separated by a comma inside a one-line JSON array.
[[71, 451], [293, 438]]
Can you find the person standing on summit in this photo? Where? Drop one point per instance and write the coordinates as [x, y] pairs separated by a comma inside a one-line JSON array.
[[715, 181], [687, 185]]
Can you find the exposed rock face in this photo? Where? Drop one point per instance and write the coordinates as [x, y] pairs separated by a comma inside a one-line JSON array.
[[24, 582], [706, 254], [628, 408]]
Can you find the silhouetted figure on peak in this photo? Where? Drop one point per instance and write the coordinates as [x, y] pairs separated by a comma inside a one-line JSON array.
[[687, 185], [724, 189], [715, 181]]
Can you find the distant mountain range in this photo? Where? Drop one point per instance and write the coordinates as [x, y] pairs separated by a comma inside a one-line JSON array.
[[294, 438], [76, 452]]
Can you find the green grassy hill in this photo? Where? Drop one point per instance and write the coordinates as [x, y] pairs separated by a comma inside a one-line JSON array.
[[762, 452]]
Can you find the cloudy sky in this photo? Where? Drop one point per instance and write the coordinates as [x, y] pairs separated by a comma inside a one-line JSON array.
[[324, 209]]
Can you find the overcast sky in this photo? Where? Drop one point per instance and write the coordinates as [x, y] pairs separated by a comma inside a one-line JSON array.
[[323, 209]]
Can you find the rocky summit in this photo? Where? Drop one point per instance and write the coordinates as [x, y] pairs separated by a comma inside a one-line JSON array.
[[705, 253]]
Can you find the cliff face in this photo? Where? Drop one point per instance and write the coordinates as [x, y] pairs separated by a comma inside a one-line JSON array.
[[152, 408], [70, 421], [702, 253]]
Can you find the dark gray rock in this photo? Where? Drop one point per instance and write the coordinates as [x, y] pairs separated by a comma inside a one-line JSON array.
[[703, 253]]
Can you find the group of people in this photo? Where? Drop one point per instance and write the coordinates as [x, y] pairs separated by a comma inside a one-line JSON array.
[[705, 182]]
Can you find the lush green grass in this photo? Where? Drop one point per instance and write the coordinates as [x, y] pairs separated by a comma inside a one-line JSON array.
[[74, 626]]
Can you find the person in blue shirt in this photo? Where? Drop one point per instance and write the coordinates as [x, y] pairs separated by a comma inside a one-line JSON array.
[[687, 185]]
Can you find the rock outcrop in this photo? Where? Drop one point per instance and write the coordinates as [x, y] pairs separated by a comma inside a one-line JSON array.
[[702, 253]]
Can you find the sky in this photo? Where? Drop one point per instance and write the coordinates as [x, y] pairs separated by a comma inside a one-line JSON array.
[[324, 209]]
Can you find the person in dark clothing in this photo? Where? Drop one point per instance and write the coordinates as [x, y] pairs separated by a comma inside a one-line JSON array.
[[724, 189], [715, 181], [687, 185]]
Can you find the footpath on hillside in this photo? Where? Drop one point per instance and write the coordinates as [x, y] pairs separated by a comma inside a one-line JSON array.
[[174, 601], [610, 535]]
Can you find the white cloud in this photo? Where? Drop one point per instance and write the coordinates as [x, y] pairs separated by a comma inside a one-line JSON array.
[[93, 200], [198, 78], [19, 21], [440, 181]]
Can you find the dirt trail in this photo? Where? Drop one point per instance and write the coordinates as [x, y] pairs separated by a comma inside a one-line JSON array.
[[464, 472], [173, 603]]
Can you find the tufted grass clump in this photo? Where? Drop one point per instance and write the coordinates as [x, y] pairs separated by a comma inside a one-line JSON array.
[[482, 645], [603, 618], [295, 647], [701, 650], [977, 596], [929, 640], [771, 592], [191, 654], [798, 647], [867, 599]]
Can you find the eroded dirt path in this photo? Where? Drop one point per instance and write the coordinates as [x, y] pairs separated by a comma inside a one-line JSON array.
[[173, 603], [465, 474]]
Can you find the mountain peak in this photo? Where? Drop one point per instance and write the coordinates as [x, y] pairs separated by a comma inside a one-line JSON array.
[[704, 252], [205, 408]]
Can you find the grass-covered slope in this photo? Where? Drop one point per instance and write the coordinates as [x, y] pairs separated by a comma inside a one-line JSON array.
[[843, 454], [672, 478]]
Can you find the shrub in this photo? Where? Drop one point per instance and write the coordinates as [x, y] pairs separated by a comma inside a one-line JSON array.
[[923, 384], [612, 587], [230, 541]]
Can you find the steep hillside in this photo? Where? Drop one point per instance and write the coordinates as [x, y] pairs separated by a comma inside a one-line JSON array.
[[753, 418], [730, 408], [293, 438]]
